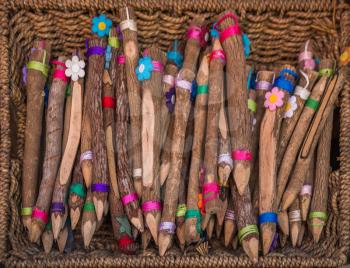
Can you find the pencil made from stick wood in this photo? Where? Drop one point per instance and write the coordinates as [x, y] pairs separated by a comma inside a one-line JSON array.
[[301, 234], [165, 159], [121, 226], [263, 83], [298, 135], [184, 80], [62, 239], [108, 105], [88, 220], [67, 114], [248, 234], [172, 66], [294, 215], [275, 101], [37, 72], [210, 190], [151, 136], [314, 132], [131, 51], [127, 192], [53, 150], [182, 208], [230, 226], [100, 184], [47, 238], [193, 214], [252, 112], [294, 109], [237, 97], [77, 194], [311, 106], [306, 192], [318, 211], [59, 211]]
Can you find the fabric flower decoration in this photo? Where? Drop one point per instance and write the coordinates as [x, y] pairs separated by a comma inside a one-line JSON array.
[[75, 68], [170, 99], [101, 25], [291, 107], [274, 99], [144, 69]]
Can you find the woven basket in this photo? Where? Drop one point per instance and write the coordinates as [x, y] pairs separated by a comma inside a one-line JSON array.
[[276, 28]]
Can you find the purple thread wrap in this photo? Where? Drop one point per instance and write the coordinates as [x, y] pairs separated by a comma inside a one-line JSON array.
[[167, 226], [100, 187], [151, 206], [170, 99], [24, 74], [58, 207], [97, 50], [274, 243], [263, 85]]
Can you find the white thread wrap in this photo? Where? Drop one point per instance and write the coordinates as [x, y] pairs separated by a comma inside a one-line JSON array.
[[225, 158], [137, 172], [307, 189], [86, 156], [302, 92], [169, 79], [294, 215]]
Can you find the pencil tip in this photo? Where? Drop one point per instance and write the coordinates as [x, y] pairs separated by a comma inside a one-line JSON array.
[[164, 242], [56, 224], [153, 222], [99, 208], [74, 216], [283, 222]]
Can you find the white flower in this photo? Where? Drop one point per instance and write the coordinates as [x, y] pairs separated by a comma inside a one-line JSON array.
[[75, 68], [291, 107]]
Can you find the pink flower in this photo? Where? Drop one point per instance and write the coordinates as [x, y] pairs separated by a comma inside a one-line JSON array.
[[274, 99]]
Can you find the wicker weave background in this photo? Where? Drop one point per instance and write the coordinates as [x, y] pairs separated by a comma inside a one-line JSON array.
[[276, 28]]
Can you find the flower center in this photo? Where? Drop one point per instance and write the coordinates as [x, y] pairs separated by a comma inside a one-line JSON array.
[[273, 98], [288, 106], [141, 68], [75, 68], [102, 26]]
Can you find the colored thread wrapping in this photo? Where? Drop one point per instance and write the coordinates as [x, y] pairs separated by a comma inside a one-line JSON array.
[[167, 226], [89, 206], [128, 25], [325, 72], [100, 187], [218, 54], [137, 172], [242, 155], [86, 156], [225, 158], [247, 230], [124, 241], [78, 189], [230, 31], [183, 84], [210, 187], [97, 50], [318, 214], [108, 102], [199, 34], [108, 56], [151, 206], [194, 213], [26, 211], [202, 89], [306, 189], [287, 71], [60, 74], [38, 66], [126, 199], [58, 207], [285, 84], [157, 66], [252, 105], [120, 59], [230, 215], [312, 104], [295, 215], [169, 79], [113, 41], [267, 217], [181, 210], [302, 92], [263, 85], [40, 214]]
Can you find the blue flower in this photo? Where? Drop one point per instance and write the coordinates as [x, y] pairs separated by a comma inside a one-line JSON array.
[[246, 44], [214, 33], [175, 56], [101, 25], [144, 69]]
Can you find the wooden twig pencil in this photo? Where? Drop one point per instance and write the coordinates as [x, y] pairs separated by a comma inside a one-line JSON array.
[[184, 80], [36, 77], [193, 214], [88, 220], [294, 215], [237, 96], [301, 234], [53, 150], [305, 194], [100, 184], [165, 159], [153, 64], [108, 106], [275, 101], [210, 192], [62, 239], [131, 52], [77, 193], [248, 234], [127, 192], [297, 137], [294, 109], [47, 238], [230, 226], [318, 210]]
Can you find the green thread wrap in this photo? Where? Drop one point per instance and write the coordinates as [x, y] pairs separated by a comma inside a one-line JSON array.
[[89, 206], [326, 72], [26, 211], [247, 230], [78, 189], [38, 66], [113, 42], [48, 226], [181, 210], [68, 90], [202, 89], [312, 104], [318, 214], [252, 105], [195, 213]]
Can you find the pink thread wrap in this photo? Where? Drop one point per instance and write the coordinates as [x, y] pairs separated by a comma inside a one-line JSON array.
[[210, 187], [40, 214], [199, 34], [126, 199], [157, 66], [230, 31], [120, 59], [151, 206], [218, 54], [307, 189], [242, 155]]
